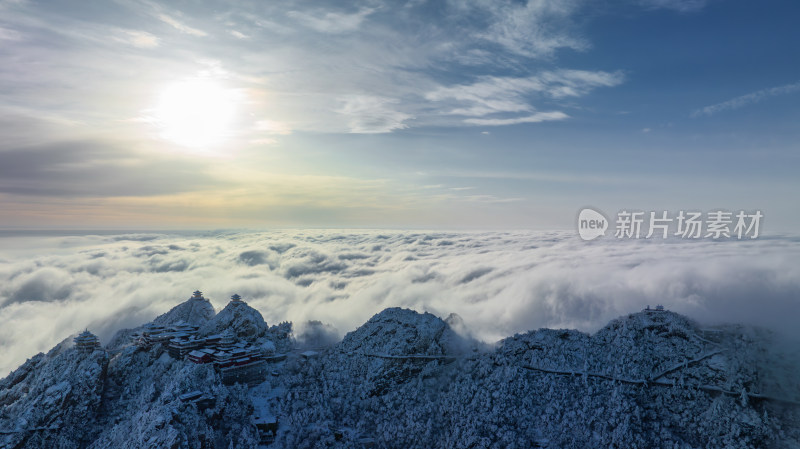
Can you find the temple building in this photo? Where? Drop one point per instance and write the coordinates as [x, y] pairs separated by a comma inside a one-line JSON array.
[[181, 347], [201, 356], [197, 295], [659, 308], [152, 334], [227, 341], [198, 398], [86, 342], [236, 298], [266, 425], [245, 366]]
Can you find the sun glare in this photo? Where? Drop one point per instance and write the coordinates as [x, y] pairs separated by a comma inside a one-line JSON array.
[[196, 113]]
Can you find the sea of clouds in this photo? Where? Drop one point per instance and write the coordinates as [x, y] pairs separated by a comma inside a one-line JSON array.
[[500, 283]]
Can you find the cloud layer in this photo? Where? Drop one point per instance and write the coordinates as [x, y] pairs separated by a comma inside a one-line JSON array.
[[499, 282]]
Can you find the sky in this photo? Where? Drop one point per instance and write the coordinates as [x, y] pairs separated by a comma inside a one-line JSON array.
[[387, 114]]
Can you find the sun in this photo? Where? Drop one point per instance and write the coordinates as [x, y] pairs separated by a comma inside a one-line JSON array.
[[196, 113]]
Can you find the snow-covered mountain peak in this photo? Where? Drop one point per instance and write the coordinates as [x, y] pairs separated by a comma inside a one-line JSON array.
[[650, 326], [57, 391], [398, 331], [196, 310], [238, 317]]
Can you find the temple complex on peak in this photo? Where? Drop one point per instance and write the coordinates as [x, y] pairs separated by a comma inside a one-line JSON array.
[[235, 360]]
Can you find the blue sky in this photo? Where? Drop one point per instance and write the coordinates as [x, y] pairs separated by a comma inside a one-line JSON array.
[[483, 114]]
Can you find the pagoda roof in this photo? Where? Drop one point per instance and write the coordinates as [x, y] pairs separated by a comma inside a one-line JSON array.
[[85, 336]]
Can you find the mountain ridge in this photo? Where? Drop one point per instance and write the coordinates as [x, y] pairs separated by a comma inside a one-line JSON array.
[[408, 379]]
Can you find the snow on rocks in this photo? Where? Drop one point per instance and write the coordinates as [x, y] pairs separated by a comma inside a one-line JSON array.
[[412, 380]]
